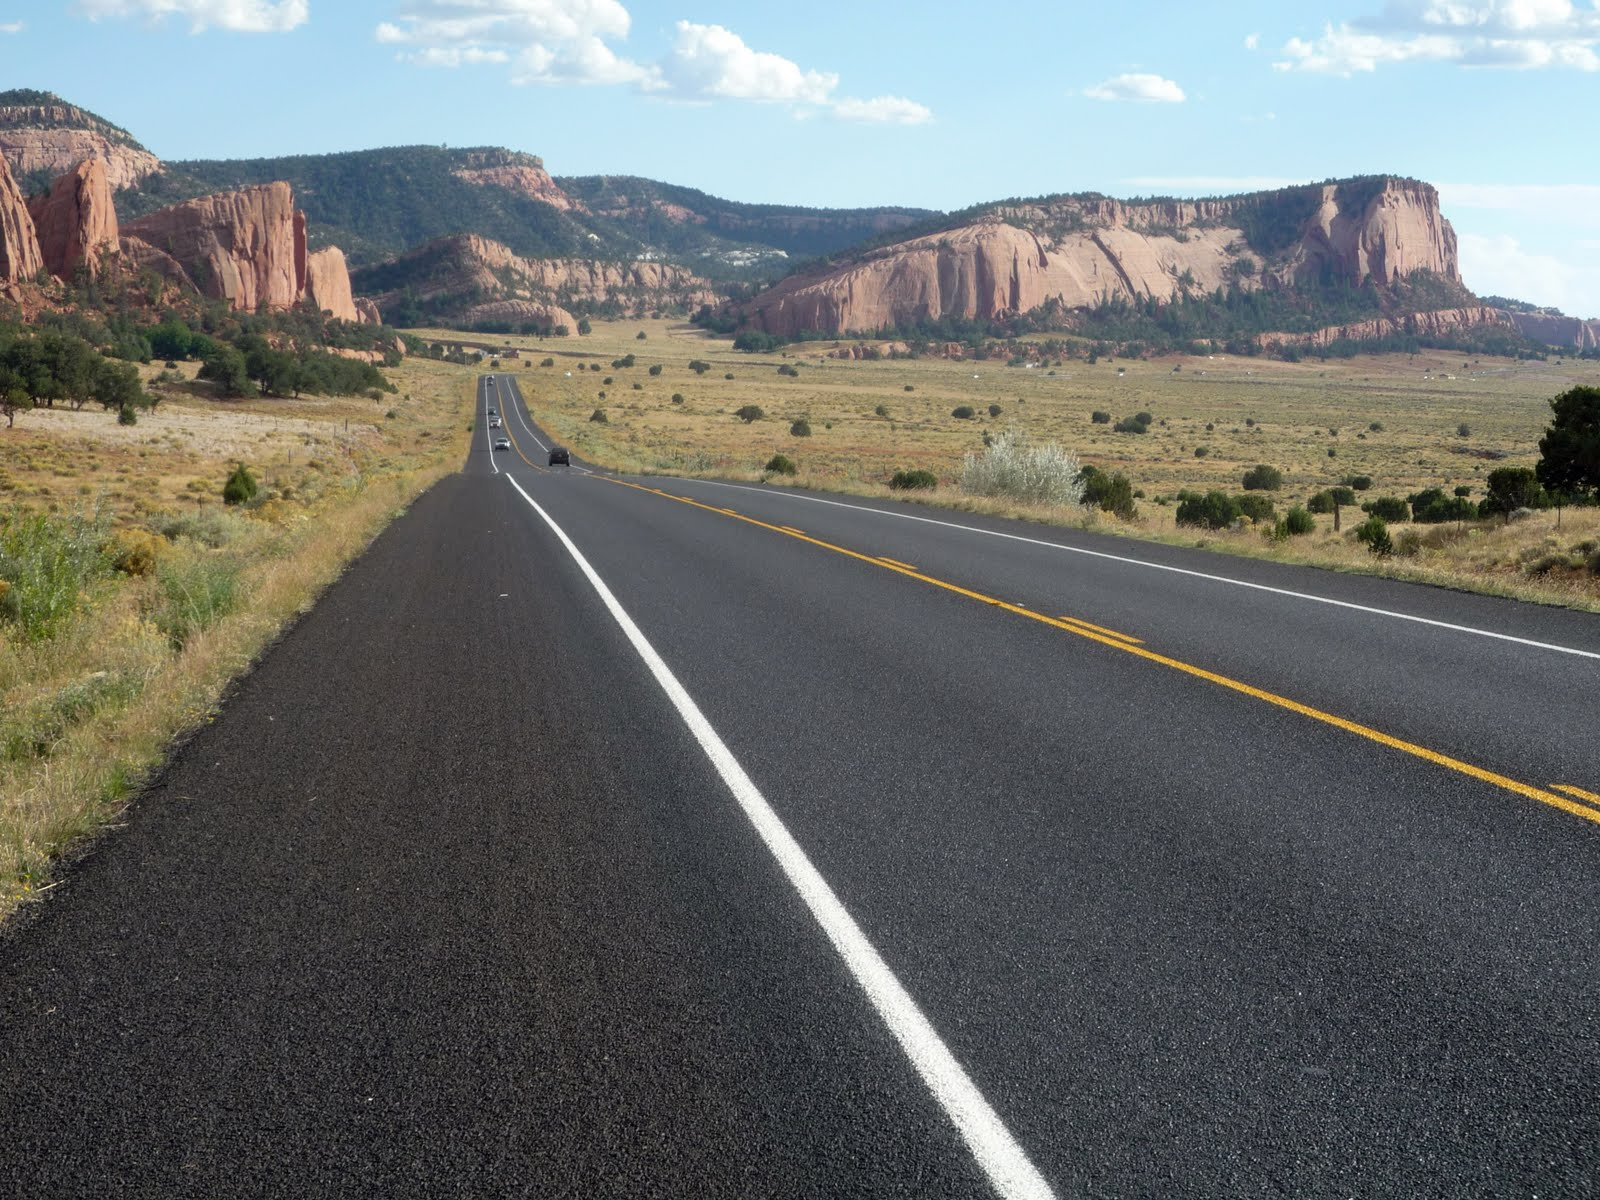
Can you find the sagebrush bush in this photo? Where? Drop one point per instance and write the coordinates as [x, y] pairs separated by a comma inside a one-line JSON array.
[[912, 480], [135, 551], [749, 413], [782, 464], [1009, 467], [800, 428]]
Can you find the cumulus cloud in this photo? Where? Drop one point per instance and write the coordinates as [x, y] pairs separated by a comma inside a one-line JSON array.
[[1252, 41], [1145, 88], [558, 42], [235, 16], [1507, 34]]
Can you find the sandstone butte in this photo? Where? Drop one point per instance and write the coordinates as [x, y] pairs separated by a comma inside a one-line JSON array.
[[467, 265], [77, 222], [999, 266], [56, 150], [20, 256], [532, 182]]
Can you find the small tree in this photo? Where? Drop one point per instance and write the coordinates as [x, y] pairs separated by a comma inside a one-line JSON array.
[[1511, 488], [1214, 510], [241, 487], [1263, 478], [1388, 508], [1373, 533], [1569, 451], [963, 412], [699, 366], [749, 413]]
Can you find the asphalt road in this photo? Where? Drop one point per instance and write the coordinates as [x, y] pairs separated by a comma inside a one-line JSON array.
[[836, 849]]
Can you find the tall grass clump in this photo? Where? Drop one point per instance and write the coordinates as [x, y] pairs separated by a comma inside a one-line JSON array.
[[47, 565], [1012, 469], [193, 591]]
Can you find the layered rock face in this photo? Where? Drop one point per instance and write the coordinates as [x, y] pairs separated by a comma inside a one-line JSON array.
[[20, 256], [1564, 332], [77, 221], [1434, 323], [246, 247], [531, 181], [1079, 253], [524, 312], [58, 151], [469, 273]]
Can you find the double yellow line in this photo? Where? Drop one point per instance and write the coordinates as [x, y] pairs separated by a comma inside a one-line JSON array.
[[1567, 798]]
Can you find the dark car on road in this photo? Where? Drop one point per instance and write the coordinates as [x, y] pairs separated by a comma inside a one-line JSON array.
[[558, 454]]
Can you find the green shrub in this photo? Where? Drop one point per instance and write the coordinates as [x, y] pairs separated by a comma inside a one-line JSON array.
[[1322, 502], [994, 410], [1376, 427], [1256, 506], [1511, 488], [1099, 417], [1297, 521], [1343, 495], [1262, 478], [127, 416], [782, 464], [800, 428], [1359, 483], [48, 564], [1214, 510], [1144, 418], [1388, 508], [1109, 493], [913, 480], [699, 366], [655, 368], [910, 388], [677, 397], [1374, 534], [1201, 451], [963, 412], [1131, 425], [548, 362], [241, 487], [749, 413], [135, 551], [598, 416], [882, 410], [789, 369]]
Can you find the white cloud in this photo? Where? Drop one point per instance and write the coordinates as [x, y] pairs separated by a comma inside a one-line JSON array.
[[1509, 34], [235, 16], [571, 42], [1575, 205], [1500, 266], [1146, 88], [1252, 41], [884, 110]]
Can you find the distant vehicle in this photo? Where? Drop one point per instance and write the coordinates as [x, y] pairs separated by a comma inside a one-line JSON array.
[[490, 379], [502, 443], [494, 422], [558, 454], [494, 412]]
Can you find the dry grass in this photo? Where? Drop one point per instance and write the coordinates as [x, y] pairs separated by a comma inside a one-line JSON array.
[[1240, 411], [87, 714]]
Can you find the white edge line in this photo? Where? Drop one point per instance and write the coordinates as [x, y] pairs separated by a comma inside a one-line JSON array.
[[1139, 562], [488, 436], [991, 1143], [516, 395]]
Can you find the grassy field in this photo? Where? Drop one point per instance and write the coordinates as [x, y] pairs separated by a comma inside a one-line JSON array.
[[137, 595], [1435, 419]]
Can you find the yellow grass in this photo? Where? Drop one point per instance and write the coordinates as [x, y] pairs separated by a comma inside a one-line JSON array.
[[335, 472], [1242, 411]]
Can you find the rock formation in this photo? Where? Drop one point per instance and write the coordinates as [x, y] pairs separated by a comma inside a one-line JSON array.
[[367, 311], [1425, 324], [77, 221], [1566, 333], [521, 173], [49, 136], [20, 257], [527, 313], [453, 275], [1079, 252], [246, 247], [327, 284]]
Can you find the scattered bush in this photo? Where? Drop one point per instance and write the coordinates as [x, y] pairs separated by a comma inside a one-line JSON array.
[[1388, 508], [916, 479], [1296, 522], [800, 428], [1375, 427], [548, 362], [882, 410], [994, 410], [241, 487], [598, 416], [1099, 417], [1463, 430], [1201, 451], [1373, 533], [135, 551], [1108, 493], [1011, 468], [963, 412], [1343, 495], [729, 375], [1214, 510], [749, 413], [782, 464], [910, 388], [655, 368], [1144, 418], [1131, 425], [1256, 506], [699, 366], [1432, 507], [789, 369], [1322, 502], [1358, 483], [1511, 488], [1262, 478], [48, 564], [192, 592], [677, 397]]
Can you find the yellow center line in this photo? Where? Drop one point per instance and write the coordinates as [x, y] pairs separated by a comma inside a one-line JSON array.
[[895, 562], [790, 529], [1127, 637], [1553, 799], [1578, 792]]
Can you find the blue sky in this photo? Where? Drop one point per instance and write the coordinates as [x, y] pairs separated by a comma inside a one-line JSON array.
[[936, 105]]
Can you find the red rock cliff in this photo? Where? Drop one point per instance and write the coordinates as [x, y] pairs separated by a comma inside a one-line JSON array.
[[328, 284], [20, 257], [246, 247], [77, 221]]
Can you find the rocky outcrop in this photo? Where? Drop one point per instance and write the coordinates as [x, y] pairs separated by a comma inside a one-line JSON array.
[[327, 284], [526, 177], [527, 313], [246, 247], [20, 256], [367, 311], [1079, 252], [51, 137], [1566, 333], [452, 276], [1422, 324], [77, 221]]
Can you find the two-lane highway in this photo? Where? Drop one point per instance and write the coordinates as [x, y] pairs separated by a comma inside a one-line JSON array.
[[621, 836]]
